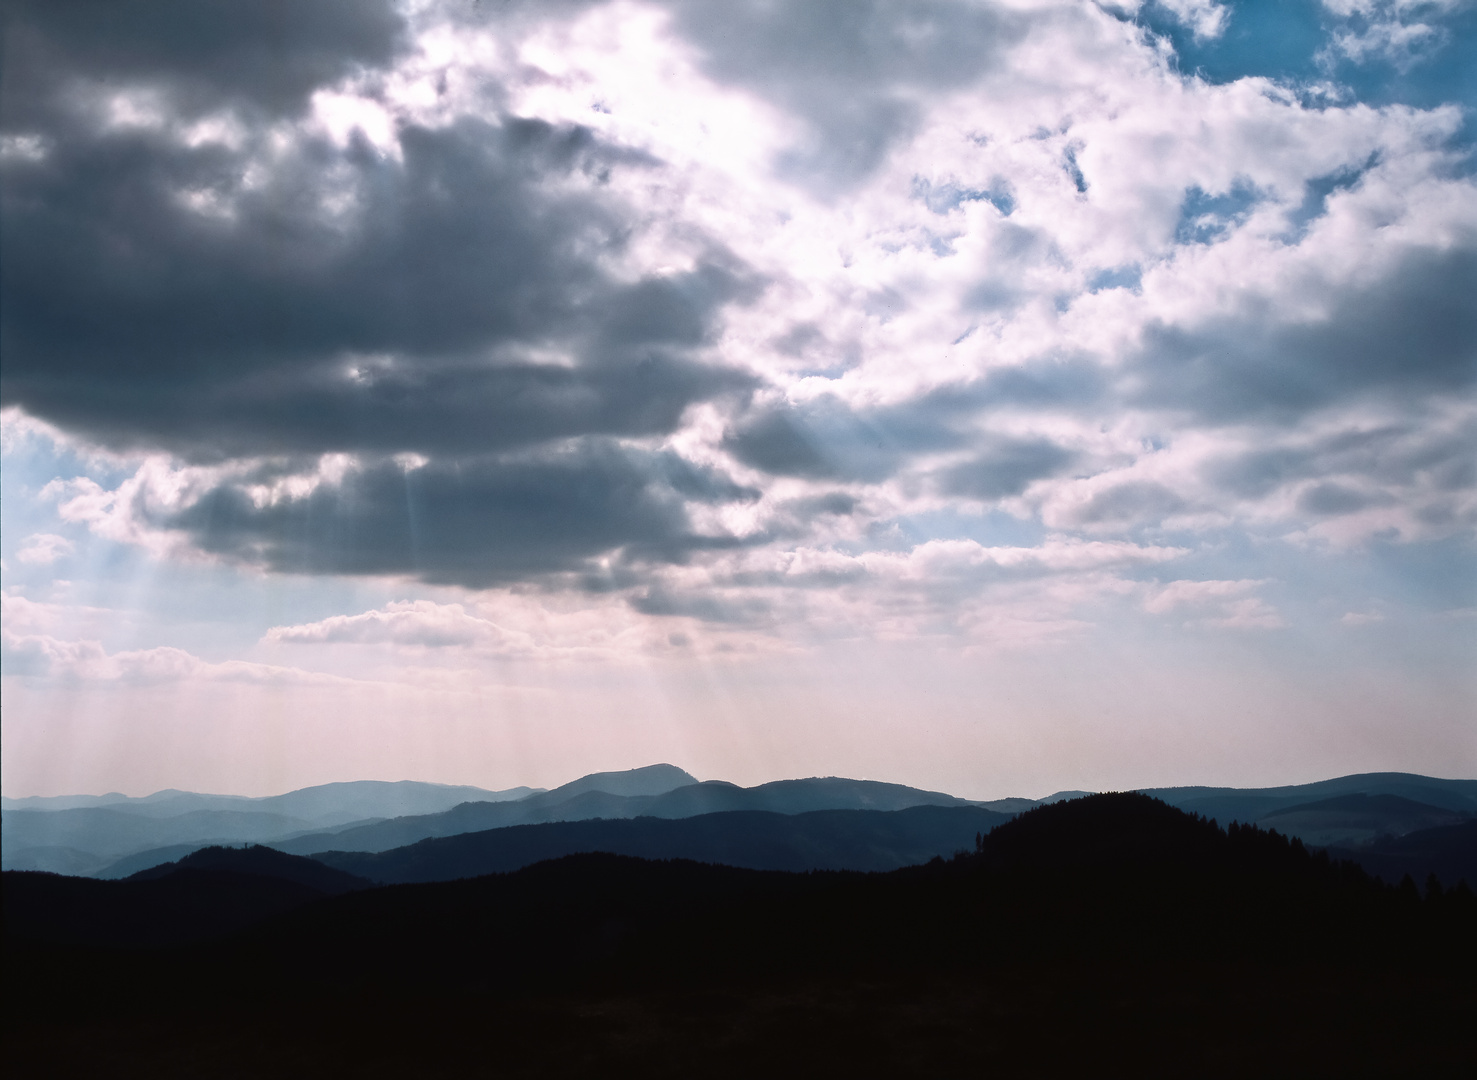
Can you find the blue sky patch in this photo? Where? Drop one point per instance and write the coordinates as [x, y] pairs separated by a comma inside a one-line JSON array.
[[1206, 218]]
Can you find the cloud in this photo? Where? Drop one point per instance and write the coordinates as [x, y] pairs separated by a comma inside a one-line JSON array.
[[1396, 31], [22, 615], [710, 310], [1054, 554], [205, 54], [1186, 592], [854, 73], [43, 549], [1412, 332], [460, 300], [1217, 604], [1205, 18], [44, 656], [467, 521], [1419, 478], [416, 623], [1006, 467], [1129, 502], [825, 438]]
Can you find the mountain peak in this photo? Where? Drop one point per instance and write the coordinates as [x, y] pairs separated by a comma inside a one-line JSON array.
[[647, 780]]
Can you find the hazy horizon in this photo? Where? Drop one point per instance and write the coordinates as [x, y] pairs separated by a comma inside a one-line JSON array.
[[994, 398], [700, 779]]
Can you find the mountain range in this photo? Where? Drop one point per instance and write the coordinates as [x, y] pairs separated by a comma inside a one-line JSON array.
[[866, 840], [85, 834], [1165, 930], [769, 826]]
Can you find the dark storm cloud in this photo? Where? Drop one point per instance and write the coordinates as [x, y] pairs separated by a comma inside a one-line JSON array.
[[136, 320], [475, 522], [246, 297], [205, 54], [1414, 332], [1006, 467]]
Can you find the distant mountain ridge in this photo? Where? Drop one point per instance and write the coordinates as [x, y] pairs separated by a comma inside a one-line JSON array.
[[1347, 810], [1359, 818], [322, 804], [115, 836], [864, 840], [706, 797], [85, 834], [1448, 851], [1251, 804], [647, 780], [1117, 861]]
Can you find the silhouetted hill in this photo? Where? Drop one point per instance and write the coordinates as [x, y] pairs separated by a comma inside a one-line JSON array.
[[869, 840], [1099, 873], [1104, 876], [142, 860], [211, 892], [262, 862], [1224, 952], [187, 905]]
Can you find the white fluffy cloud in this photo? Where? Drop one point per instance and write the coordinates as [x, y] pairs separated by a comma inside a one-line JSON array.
[[43, 549], [41, 655], [413, 623]]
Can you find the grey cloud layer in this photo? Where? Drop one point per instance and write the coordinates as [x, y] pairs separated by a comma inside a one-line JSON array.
[[204, 53], [471, 521], [1413, 333], [250, 298], [138, 321], [344, 301]]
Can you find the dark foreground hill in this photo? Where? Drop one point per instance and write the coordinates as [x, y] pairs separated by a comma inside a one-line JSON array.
[[254, 859], [1111, 934], [208, 894], [867, 840]]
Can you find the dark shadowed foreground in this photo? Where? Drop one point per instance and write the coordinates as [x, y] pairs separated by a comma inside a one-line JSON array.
[[1113, 934]]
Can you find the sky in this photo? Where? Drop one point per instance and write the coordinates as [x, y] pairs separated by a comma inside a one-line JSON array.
[[994, 397]]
